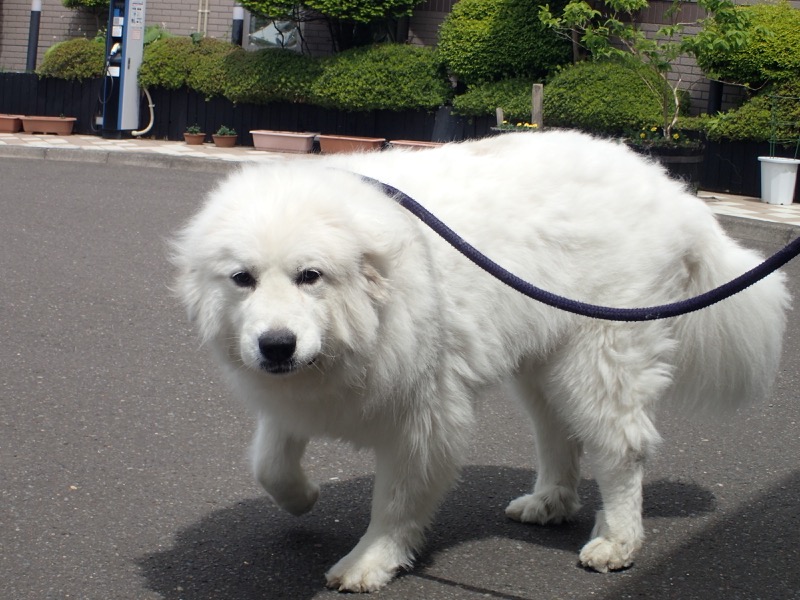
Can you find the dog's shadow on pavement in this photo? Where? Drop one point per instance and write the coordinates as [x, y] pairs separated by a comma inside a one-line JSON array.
[[255, 550]]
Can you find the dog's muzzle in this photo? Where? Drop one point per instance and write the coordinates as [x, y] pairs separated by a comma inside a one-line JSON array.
[[277, 348]]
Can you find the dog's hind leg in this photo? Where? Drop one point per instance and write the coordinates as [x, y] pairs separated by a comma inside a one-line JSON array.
[[618, 531], [554, 498], [276, 457], [606, 381]]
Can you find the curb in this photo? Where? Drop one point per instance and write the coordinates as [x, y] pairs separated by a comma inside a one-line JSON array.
[[121, 158], [759, 231], [750, 229]]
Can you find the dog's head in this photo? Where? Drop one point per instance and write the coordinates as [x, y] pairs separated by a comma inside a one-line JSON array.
[[288, 267]]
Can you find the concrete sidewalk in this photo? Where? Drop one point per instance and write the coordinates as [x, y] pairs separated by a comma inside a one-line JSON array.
[[749, 216]]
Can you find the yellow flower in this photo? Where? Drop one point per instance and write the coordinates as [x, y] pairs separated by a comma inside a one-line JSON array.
[[675, 136], [654, 129], [642, 135]]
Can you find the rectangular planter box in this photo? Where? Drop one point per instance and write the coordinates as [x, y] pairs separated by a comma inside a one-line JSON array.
[[56, 125], [333, 144], [283, 141], [414, 144], [10, 123]]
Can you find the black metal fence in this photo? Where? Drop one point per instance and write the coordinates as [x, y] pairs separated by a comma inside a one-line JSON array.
[[728, 167], [27, 94], [733, 167], [175, 109]]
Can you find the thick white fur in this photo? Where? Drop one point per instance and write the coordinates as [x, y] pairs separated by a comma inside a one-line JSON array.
[[400, 334]]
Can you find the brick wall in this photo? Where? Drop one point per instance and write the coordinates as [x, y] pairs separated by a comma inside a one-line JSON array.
[[178, 17], [59, 23], [181, 17]]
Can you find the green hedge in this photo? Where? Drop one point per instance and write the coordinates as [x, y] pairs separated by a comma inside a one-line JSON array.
[[608, 97], [269, 75], [216, 68], [753, 120], [79, 58], [488, 40], [386, 76], [207, 66], [166, 63], [512, 95], [771, 54]]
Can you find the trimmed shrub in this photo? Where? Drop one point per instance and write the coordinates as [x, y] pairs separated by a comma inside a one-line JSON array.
[[74, 59], [753, 120], [512, 95], [771, 54], [488, 40], [207, 66], [268, 75], [608, 97], [218, 68], [96, 5], [166, 63], [382, 77]]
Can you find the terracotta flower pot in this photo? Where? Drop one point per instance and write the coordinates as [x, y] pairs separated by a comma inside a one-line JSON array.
[[414, 144], [224, 141], [10, 123], [333, 144], [194, 139], [283, 141], [56, 125]]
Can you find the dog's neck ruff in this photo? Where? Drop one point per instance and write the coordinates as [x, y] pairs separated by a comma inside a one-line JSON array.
[[664, 311]]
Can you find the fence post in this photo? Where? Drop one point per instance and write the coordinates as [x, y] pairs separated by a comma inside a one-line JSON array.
[[536, 105]]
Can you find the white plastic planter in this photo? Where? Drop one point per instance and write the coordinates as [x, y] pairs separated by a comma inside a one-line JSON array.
[[778, 177]]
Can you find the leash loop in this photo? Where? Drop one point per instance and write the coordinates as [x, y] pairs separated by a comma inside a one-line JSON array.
[[652, 313]]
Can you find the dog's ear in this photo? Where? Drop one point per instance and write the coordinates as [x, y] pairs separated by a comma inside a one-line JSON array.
[[202, 301], [378, 286], [192, 284]]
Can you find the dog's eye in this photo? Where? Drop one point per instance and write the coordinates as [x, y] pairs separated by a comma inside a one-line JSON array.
[[244, 279], [307, 277]]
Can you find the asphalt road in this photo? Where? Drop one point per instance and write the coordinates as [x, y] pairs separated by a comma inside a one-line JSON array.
[[122, 458]]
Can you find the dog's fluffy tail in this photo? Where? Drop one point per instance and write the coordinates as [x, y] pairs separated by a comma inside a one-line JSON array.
[[729, 353]]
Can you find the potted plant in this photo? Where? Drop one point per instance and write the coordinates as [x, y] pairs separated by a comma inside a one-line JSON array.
[[283, 141], [506, 126], [194, 136], [414, 144], [610, 29], [225, 137], [779, 174], [335, 144], [10, 123], [681, 153], [57, 125]]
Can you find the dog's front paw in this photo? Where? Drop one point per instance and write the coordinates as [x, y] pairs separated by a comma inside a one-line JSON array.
[[296, 500], [605, 555], [552, 506], [369, 567]]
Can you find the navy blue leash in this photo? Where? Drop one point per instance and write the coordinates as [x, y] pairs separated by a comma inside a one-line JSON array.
[[652, 313]]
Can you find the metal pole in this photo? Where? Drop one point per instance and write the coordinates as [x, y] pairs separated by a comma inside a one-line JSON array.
[[33, 34], [237, 28]]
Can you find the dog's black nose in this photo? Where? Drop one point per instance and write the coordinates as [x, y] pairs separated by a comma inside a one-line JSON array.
[[277, 346]]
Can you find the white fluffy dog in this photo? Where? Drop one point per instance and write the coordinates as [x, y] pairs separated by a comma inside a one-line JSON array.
[[336, 313]]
